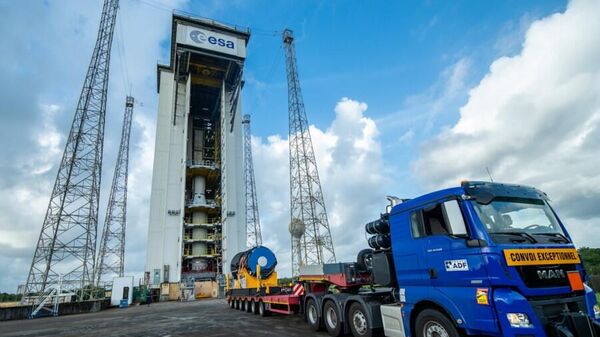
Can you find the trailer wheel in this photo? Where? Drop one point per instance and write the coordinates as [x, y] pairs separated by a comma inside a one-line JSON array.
[[431, 322], [358, 321], [262, 309], [331, 318], [249, 304], [253, 307], [312, 315], [238, 304], [231, 303]]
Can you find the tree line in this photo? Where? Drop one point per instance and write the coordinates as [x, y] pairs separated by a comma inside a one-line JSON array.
[[591, 258], [5, 297]]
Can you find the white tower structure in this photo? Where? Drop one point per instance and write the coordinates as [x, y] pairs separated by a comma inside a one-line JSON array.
[[197, 206]]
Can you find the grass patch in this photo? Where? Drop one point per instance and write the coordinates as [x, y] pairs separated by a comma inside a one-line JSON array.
[[598, 297]]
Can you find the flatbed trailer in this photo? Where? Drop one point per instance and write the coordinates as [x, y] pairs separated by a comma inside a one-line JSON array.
[[263, 304], [354, 300]]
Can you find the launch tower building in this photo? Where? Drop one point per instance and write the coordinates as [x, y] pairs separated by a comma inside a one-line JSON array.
[[197, 207]]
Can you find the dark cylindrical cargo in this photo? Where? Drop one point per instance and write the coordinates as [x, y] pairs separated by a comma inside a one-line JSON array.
[[380, 241], [260, 255], [379, 226]]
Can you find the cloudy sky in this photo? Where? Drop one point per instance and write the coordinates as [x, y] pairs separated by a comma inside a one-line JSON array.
[[402, 98]]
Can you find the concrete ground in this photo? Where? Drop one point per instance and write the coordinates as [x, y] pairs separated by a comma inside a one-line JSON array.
[[200, 318]]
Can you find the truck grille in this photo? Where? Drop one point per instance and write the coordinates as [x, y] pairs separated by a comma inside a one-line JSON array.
[[551, 310], [546, 276]]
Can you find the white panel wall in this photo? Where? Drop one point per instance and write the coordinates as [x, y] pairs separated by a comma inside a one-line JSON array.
[[164, 229], [235, 225]]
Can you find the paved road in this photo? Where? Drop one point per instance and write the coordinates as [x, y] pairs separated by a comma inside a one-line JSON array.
[[167, 319]]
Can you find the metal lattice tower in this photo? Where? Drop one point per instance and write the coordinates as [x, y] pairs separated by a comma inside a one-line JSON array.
[[252, 219], [311, 237], [67, 242], [112, 244]]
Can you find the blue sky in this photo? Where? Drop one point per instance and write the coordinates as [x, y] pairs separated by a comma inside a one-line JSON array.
[[404, 97], [387, 54]]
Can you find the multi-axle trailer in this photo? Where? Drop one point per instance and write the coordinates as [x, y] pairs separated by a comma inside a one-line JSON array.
[[353, 308]]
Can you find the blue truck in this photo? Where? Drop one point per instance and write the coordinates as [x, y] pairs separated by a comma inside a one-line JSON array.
[[482, 259]]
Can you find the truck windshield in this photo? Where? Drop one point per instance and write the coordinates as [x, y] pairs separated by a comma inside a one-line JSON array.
[[511, 220]]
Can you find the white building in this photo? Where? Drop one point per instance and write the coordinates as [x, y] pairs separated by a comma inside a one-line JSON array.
[[197, 206]]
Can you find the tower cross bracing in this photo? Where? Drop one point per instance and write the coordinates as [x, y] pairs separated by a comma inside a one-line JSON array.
[[65, 251], [309, 226]]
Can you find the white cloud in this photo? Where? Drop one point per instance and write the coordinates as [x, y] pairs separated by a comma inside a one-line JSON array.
[[421, 113], [42, 73], [49, 141], [351, 170], [534, 119]]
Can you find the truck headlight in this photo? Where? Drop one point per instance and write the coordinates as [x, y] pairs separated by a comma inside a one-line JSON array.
[[597, 311], [518, 320]]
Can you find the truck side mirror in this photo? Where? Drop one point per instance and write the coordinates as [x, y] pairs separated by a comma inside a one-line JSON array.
[[455, 218]]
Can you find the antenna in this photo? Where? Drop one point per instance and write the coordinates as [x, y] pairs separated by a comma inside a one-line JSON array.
[[112, 244], [308, 211], [489, 174], [252, 220], [67, 241]]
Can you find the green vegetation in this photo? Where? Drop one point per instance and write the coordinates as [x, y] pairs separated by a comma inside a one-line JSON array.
[[4, 297], [285, 281], [591, 258]]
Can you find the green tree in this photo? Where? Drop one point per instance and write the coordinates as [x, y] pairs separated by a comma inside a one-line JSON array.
[[5, 297], [591, 258], [285, 281]]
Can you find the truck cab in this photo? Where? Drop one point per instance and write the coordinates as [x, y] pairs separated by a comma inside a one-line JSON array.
[[485, 259]]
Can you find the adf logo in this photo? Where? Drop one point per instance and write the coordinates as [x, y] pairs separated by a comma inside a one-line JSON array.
[[198, 36]]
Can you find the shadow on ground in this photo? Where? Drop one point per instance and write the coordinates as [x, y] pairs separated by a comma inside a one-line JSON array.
[[200, 318]]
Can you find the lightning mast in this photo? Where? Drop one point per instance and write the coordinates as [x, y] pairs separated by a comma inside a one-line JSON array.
[[65, 253], [112, 244], [252, 219], [309, 227]]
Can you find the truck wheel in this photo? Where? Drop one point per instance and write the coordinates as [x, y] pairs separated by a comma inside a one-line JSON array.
[[331, 318], [253, 307], [358, 321], [238, 304], [231, 304], [312, 315], [249, 305], [262, 309], [432, 323]]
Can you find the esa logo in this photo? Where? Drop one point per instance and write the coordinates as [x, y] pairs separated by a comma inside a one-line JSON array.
[[200, 37]]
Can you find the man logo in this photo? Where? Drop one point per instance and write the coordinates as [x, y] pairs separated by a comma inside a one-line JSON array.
[[198, 36], [551, 274]]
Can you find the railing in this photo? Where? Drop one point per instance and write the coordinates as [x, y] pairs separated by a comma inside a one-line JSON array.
[[208, 225], [209, 221], [204, 163], [206, 238], [209, 203]]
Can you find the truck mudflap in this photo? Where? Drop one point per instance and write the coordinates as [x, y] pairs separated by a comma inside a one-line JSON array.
[[574, 325]]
